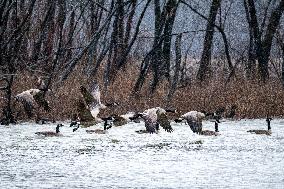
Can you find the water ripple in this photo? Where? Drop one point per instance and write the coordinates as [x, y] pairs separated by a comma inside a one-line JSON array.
[[125, 159]]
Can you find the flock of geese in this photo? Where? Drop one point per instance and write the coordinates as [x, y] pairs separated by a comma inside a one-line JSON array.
[[89, 105]]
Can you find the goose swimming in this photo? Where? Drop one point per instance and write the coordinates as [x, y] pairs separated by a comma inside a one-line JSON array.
[[263, 132], [211, 133], [107, 126], [51, 133]]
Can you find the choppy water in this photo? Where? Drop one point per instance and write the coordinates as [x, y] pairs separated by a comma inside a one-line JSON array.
[[125, 159]]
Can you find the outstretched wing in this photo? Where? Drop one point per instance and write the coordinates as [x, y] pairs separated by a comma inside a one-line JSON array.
[[194, 120], [83, 112], [26, 99], [150, 122], [92, 99], [151, 127], [164, 122], [88, 97], [195, 126], [96, 103], [41, 101], [95, 91]]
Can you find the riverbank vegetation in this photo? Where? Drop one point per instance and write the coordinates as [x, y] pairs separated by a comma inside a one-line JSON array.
[[179, 54]]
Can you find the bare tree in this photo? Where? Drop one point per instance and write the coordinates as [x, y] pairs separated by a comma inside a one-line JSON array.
[[263, 38], [280, 41], [117, 60], [221, 28], [204, 69], [158, 59], [177, 70], [11, 40]]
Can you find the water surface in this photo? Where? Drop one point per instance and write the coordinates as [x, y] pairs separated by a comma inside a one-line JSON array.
[[125, 159]]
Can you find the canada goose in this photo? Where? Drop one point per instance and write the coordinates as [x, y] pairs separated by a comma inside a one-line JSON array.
[[51, 133], [120, 120], [194, 120], [211, 133], [85, 117], [214, 115], [142, 131], [155, 117], [89, 108], [30, 98], [75, 124], [76, 128], [107, 126], [263, 132]]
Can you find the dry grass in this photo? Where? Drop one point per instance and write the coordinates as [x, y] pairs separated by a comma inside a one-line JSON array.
[[253, 100]]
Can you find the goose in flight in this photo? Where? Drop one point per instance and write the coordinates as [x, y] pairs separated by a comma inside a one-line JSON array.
[[154, 118], [31, 98], [90, 106], [120, 120], [194, 120]]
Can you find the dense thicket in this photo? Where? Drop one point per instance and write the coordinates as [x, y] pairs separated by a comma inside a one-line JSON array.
[[153, 50]]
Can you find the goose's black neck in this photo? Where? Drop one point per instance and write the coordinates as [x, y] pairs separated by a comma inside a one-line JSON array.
[[57, 128], [268, 120], [76, 128], [105, 125], [216, 126]]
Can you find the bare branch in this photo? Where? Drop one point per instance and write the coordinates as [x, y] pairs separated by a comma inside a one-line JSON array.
[[72, 63]]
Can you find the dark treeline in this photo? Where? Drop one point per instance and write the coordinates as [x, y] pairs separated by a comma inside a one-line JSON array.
[[52, 38]]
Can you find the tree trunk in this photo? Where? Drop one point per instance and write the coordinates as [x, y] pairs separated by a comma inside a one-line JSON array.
[[163, 29], [157, 54], [273, 24], [8, 116], [43, 31], [172, 7], [251, 64], [282, 67], [177, 67], [117, 40], [204, 69], [263, 47]]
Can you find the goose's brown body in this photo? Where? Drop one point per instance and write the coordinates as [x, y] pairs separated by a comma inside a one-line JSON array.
[[48, 133], [263, 132], [51, 133], [260, 132], [154, 118], [209, 133], [97, 131]]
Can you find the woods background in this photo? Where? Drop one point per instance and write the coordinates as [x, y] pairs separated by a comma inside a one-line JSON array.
[[186, 54]]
